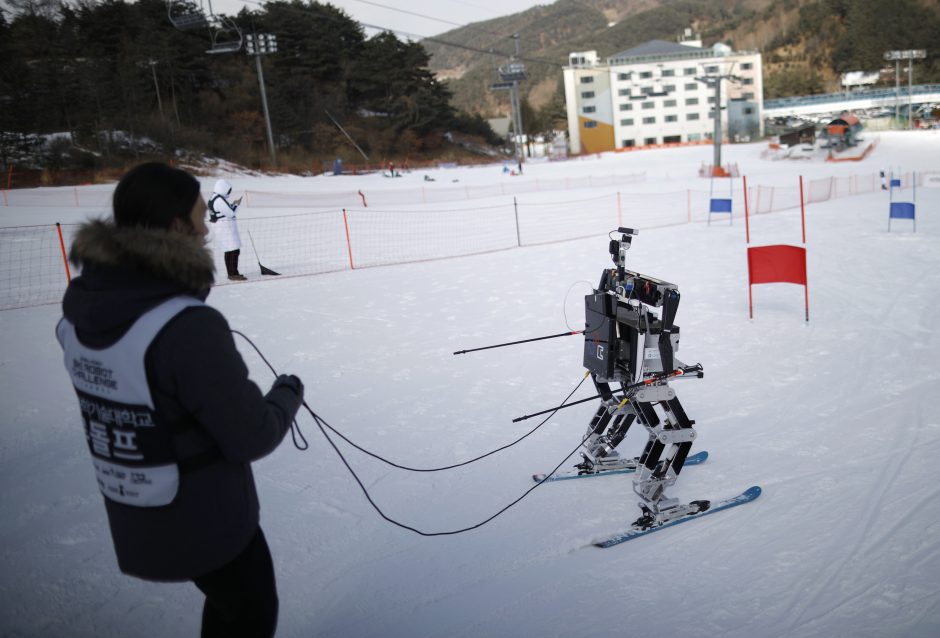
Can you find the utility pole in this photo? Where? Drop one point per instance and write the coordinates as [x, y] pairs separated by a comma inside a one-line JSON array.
[[714, 82], [258, 44], [156, 86]]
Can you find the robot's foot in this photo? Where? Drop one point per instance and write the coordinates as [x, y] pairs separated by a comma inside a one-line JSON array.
[[613, 461], [657, 517]]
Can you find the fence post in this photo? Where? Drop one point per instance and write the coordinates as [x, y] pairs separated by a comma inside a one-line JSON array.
[[10, 177], [348, 242], [65, 259], [515, 207], [771, 209], [803, 220], [747, 226], [75, 193]]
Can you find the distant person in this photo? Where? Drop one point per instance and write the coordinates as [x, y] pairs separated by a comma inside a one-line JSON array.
[[172, 420], [884, 181], [225, 232]]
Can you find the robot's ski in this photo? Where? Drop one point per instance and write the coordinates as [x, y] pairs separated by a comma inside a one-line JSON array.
[[694, 459], [715, 506]]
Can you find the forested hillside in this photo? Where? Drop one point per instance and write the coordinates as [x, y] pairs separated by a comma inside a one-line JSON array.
[[122, 83], [805, 44]]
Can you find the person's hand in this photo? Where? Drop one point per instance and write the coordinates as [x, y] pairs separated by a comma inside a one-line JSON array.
[[290, 381]]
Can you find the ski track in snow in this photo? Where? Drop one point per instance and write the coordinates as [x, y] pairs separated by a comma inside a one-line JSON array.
[[834, 419]]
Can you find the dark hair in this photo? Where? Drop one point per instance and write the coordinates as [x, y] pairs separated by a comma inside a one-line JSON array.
[[152, 195]]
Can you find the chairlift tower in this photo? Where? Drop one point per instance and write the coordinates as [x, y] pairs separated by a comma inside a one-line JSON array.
[[511, 75], [258, 44], [186, 15], [714, 82], [910, 55]]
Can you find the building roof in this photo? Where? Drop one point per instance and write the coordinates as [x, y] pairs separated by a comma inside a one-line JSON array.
[[655, 47]]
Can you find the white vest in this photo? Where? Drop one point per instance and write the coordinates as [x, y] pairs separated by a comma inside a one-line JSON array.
[[132, 451]]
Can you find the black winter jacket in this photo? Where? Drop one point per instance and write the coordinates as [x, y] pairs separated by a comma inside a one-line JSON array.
[[195, 374]]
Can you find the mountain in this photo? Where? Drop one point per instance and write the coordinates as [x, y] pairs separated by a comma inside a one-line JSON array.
[[805, 44]]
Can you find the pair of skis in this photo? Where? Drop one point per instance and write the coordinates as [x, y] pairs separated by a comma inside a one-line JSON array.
[[636, 530]]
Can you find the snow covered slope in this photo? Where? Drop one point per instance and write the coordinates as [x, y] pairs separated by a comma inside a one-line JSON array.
[[834, 418]]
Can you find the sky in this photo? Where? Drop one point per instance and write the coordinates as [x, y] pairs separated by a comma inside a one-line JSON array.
[[399, 15]]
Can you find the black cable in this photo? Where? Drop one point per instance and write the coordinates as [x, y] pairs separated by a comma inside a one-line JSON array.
[[321, 423], [406, 467], [418, 531]]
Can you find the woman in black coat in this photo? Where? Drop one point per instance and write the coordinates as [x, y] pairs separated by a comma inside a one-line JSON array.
[[172, 419]]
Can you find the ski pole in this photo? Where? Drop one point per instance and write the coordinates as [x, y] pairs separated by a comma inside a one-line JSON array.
[[512, 343], [697, 369]]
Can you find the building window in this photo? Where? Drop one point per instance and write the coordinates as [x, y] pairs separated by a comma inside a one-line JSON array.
[[668, 73], [748, 96], [748, 111], [692, 116], [629, 143], [748, 81], [626, 122], [648, 141], [669, 88], [711, 69], [672, 139], [688, 71], [668, 103], [649, 120], [624, 92], [691, 101], [646, 90], [587, 94], [711, 99], [645, 75], [746, 65], [672, 118], [711, 115], [626, 107], [623, 76], [648, 105], [691, 86], [589, 109], [587, 79], [590, 124], [694, 137]]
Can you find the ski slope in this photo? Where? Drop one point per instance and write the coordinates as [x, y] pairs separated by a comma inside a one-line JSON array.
[[833, 418]]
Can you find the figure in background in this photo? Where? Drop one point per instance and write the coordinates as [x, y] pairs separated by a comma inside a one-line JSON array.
[[225, 232]]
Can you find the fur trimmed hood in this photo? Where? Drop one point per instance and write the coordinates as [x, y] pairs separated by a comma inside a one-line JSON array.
[[165, 254]]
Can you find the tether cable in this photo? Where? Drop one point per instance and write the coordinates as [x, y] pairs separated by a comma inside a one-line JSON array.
[[407, 468], [323, 425]]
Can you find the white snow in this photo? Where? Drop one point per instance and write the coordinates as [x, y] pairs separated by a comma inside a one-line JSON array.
[[834, 419]]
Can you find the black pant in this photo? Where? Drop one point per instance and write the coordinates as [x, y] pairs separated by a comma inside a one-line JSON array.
[[231, 261], [241, 597]]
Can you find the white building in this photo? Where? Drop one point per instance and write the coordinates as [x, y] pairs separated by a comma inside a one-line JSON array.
[[650, 95]]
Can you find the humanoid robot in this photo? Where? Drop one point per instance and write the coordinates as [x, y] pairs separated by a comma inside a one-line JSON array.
[[627, 344]]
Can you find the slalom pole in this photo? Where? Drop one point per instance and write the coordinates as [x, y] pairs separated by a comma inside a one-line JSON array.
[[264, 270], [512, 343], [65, 259]]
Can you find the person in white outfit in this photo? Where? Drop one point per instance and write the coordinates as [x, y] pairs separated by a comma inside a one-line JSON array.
[[225, 229]]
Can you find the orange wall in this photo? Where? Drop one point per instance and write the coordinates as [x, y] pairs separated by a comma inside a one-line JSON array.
[[595, 140]]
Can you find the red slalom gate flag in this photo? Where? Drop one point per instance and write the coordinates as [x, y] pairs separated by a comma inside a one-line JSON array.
[[777, 264]]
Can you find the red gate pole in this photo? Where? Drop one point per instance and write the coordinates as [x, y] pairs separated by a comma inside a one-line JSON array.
[[348, 243], [65, 259]]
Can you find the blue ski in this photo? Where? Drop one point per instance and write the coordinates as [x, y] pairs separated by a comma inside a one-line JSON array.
[[716, 506], [695, 459]]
